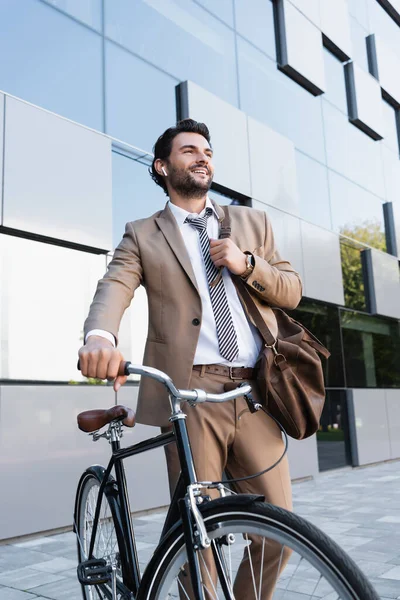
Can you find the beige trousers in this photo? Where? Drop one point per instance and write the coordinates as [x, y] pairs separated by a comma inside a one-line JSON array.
[[229, 437]]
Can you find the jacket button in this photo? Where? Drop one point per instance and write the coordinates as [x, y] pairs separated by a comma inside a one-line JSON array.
[[196, 322]]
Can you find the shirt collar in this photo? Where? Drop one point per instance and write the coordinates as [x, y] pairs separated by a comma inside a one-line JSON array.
[[180, 214]]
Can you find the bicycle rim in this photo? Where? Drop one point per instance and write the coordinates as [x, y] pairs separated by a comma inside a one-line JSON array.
[[106, 543], [261, 558]]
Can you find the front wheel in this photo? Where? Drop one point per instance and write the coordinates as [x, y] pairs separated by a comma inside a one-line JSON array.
[[258, 551]]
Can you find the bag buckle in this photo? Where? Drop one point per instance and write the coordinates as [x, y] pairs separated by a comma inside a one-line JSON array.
[[273, 347], [231, 374]]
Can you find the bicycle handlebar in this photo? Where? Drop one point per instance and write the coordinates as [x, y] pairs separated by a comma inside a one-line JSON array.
[[195, 396]]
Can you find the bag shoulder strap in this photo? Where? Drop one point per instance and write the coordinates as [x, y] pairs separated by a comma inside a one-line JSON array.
[[269, 339]]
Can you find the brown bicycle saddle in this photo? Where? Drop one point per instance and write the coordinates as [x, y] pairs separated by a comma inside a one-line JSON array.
[[92, 420]]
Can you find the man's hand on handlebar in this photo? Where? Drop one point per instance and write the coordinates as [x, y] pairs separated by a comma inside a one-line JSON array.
[[98, 358]]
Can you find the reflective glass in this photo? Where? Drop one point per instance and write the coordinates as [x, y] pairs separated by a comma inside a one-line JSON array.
[[371, 350], [52, 61], [140, 99], [87, 11], [367, 99], [323, 321], [257, 24], [135, 195], [312, 178], [274, 99], [351, 152], [333, 439], [390, 126], [179, 37], [358, 35], [352, 273], [222, 9], [356, 213], [335, 82]]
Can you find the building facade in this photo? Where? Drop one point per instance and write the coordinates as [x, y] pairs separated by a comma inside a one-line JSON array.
[[302, 100]]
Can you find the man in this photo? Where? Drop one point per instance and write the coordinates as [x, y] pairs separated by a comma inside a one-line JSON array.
[[199, 332]]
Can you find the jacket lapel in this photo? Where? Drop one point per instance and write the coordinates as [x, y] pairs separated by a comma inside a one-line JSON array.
[[169, 227]]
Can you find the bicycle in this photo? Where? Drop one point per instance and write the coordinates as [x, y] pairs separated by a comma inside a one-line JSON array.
[[203, 542]]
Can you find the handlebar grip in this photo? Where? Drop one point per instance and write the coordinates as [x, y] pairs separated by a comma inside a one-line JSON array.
[[123, 367]]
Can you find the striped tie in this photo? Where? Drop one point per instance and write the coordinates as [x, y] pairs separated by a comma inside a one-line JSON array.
[[227, 339]]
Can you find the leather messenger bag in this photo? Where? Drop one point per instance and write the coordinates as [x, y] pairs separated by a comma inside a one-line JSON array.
[[289, 368]]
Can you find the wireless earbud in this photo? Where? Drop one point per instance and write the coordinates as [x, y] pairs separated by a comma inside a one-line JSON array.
[[164, 171]]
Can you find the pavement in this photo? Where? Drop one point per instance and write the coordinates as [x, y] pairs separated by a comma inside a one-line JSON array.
[[358, 508]]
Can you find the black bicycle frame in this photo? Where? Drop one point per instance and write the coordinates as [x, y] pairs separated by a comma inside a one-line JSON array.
[[178, 508]]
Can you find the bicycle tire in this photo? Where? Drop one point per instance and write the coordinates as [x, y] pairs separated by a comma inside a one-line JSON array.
[[225, 514], [109, 517]]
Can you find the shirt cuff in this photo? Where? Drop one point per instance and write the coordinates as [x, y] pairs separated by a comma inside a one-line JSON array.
[[105, 334]]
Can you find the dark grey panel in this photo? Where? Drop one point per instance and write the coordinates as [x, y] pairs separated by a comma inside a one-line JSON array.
[[352, 429], [390, 228], [384, 64], [57, 179], [272, 160], [312, 178], [302, 62], [345, 143], [200, 47], [1, 154], [382, 283], [321, 256], [229, 136], [266, 94], [140, 107], [335, 26], [52, 61], [45, 295], [87, 11], [392, 7], [364, 101]]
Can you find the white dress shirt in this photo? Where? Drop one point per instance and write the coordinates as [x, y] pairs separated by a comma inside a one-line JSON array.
[[207, 351]]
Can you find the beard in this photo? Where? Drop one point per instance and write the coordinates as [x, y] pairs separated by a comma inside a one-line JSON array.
[[185, 183]]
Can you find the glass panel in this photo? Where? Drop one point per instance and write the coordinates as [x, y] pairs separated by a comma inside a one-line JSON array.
[[335, 83], [257, 24], [390, 126], [367, 98], [358, 35], [323, 321], [356, 213], [352, 272], [88, 11], [140, 99], [383, 25], [358, 9], [179, 37], [371, 350], [333, 441], [135, 195], [335, 24], [274, 99], [222, 9], [52, 62], [351, 152], [313, 189]]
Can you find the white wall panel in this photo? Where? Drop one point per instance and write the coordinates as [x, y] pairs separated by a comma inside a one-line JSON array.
[[45, 294], [272, 168], [303, 458], [287, 235], [392, 7], [228, 129], [335, 25], [1, 154], [383, 283], [57, 179], [310, 9], [393, 413], [370, 429], [385, 66], [322, 264], [300, 48], [364, 101]]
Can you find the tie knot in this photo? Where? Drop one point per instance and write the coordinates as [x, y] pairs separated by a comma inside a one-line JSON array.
[[199, 223]]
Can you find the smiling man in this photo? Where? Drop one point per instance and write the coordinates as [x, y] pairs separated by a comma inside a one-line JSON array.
[[199, 333]]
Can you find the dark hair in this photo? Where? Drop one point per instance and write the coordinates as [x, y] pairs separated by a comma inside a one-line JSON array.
[[163, 146]]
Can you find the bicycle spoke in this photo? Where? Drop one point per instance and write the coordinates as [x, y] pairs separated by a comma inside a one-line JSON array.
[[261, 569], [251, 566], [210, 578], [182, 588]]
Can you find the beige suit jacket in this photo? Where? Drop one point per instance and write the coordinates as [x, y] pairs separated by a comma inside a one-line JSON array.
[[152, 253]]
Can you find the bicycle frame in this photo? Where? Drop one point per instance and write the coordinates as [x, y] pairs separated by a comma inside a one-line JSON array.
[[179, 507]]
